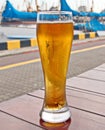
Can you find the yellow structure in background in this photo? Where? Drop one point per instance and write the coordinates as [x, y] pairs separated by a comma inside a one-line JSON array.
[[81, 36], [15, 44], [92, 34], [33, 42]]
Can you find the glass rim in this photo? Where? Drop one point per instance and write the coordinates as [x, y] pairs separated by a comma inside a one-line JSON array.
[[56, 13]]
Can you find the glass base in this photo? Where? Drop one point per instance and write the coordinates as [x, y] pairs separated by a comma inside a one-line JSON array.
[[59, 116]]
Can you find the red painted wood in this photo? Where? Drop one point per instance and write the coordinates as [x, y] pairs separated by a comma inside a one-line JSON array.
[[94, 86], [94, 74], [81, 100], [27, 108], [8, 122]]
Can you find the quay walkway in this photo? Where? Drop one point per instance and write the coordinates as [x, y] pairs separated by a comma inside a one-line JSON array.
[[20, 37]]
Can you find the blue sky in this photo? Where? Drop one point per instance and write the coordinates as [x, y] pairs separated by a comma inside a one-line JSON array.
[[98, 6]]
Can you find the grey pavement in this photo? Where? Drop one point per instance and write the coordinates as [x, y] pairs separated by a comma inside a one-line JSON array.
[[20, 80]]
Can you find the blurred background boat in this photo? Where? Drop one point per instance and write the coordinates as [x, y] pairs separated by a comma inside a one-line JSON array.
[[84, 19], [12, 15]]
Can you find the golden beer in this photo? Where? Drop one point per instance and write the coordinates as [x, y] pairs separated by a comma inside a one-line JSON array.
[[55, 42]]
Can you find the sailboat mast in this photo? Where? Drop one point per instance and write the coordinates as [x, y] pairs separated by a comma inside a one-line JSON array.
[[36, 3], [59, 5], [92, 6]]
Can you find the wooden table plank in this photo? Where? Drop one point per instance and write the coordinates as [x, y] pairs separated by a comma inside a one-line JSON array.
[[94, 74], [93, 97], [101, 66], [28, 107], [24, 107], [8, 122], [100, 69], [87, 84], [74, 92], [79, 121], [84, 102], [81, 100]]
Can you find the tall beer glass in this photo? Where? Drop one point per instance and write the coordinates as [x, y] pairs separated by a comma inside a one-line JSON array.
[[54, 36]]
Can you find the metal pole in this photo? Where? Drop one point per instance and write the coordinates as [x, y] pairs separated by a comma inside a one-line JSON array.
[[36, 5]]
